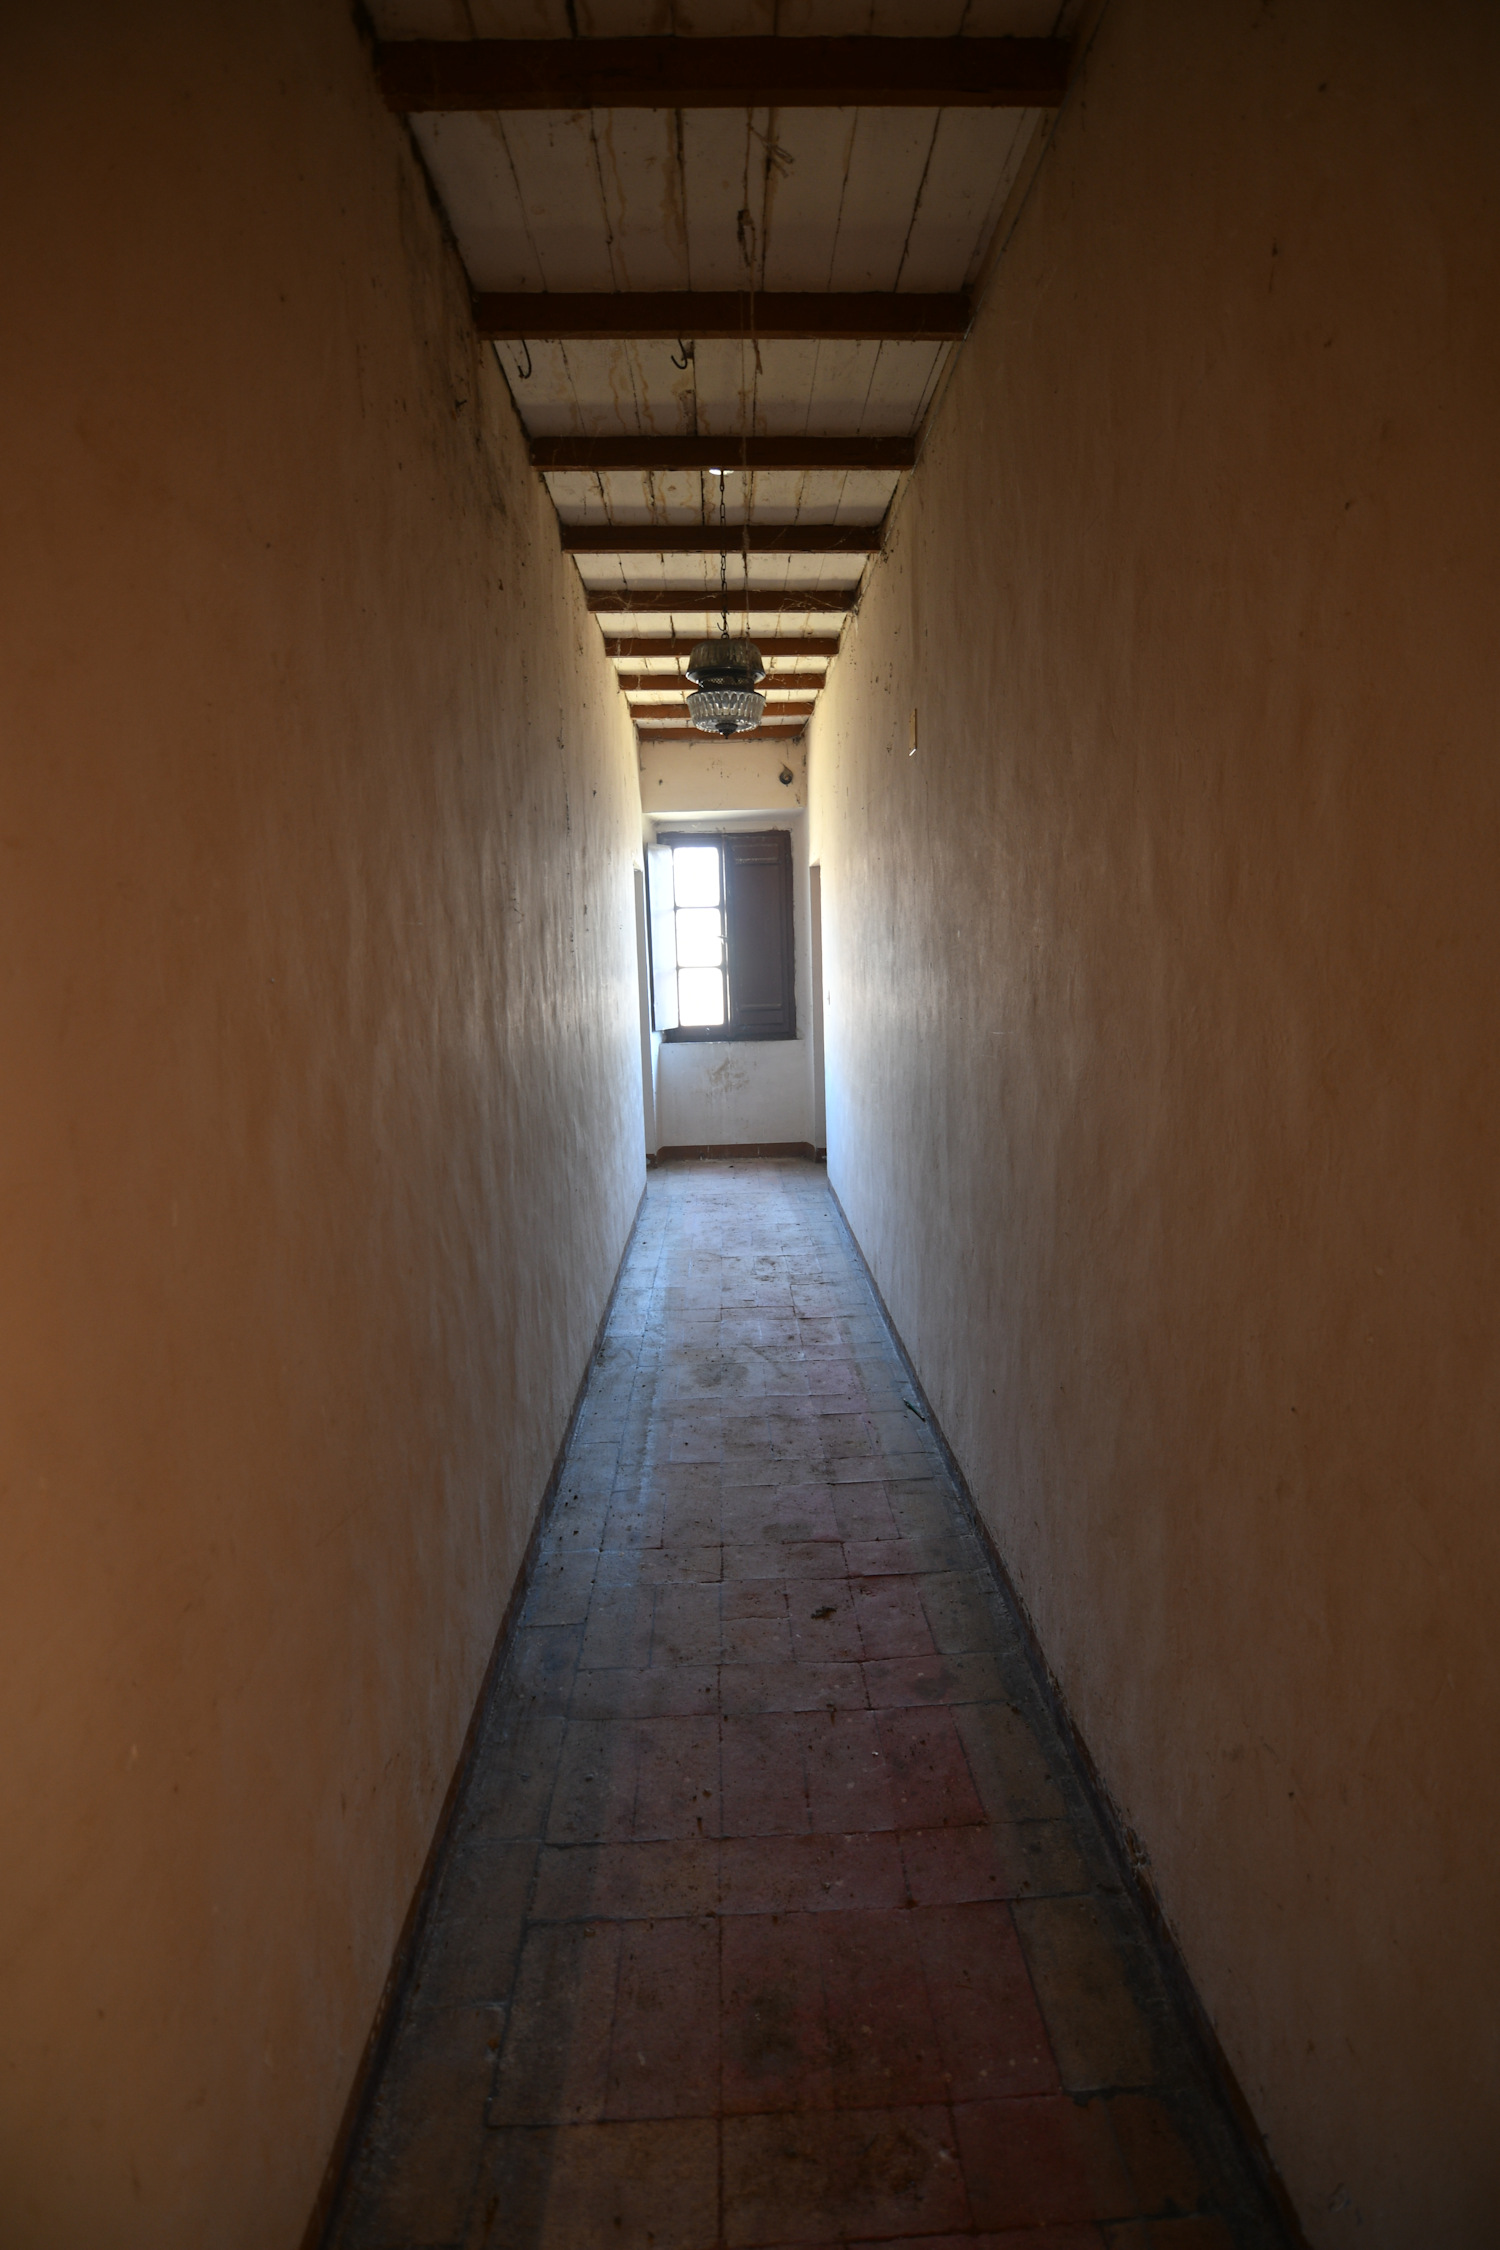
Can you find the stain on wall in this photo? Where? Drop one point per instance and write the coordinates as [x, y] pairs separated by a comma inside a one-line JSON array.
[[1162, 981], [322, 1126]]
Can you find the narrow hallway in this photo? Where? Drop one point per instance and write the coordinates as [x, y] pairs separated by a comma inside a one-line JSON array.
[[774, 1911]]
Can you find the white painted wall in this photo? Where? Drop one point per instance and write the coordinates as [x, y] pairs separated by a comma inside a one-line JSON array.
[[735, 1090]]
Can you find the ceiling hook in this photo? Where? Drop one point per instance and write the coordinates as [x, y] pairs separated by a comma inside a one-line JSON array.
[[687, 353], [524, 373]]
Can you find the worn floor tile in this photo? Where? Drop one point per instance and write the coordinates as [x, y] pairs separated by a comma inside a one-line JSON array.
[[772, 1913]]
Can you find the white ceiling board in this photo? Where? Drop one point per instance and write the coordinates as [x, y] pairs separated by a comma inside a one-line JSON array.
[[803, 197], [887, 165], [599, 389], [645, 199], [556, 167], [723, 378], [688, 623], [801, 573], [544, 398], [681, 496], [723, 152], [641, 186], [468, 159], [901, 385], [975, 158]]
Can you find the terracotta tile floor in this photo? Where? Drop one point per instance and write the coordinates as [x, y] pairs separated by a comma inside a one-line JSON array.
[[774, 1912]]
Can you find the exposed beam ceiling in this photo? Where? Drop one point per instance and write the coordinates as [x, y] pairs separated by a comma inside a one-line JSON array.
[[776, 240], [766, 601], [669, 682], [704, 453], [712, 539], [705, 316], [696, 734], [663, 644], [678, 73], [645, 713]]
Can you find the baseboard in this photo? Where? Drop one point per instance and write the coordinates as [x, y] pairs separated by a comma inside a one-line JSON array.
[[1132, 1862], [403, 1958], [701, 1149]]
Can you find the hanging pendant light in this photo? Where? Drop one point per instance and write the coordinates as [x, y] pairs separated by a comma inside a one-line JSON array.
[[724, 672]]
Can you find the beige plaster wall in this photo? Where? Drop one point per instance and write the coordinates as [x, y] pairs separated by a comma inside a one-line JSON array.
[[320, 1115], [1161, 1024]]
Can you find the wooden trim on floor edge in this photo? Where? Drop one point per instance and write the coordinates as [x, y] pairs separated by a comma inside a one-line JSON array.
[[698, 1150], [408, 1943], [1121, 1838]]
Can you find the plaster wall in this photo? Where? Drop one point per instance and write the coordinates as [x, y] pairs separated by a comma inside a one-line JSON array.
[[321, 1113], [1162, 984]]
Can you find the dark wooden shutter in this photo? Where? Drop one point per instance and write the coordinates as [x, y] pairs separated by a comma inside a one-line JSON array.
[[758, 907]]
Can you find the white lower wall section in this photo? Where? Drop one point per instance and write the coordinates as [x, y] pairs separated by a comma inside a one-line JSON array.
[[734, 1090]]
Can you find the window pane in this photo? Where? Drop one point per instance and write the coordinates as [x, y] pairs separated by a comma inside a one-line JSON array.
[[700, 937], [700, 995], [695, 875]]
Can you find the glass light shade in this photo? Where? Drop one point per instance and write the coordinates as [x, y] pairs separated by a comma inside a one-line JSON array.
[[724, 672], [725, 710]]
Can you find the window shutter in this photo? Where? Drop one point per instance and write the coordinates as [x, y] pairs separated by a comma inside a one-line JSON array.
[[758, 909], [661, 925]]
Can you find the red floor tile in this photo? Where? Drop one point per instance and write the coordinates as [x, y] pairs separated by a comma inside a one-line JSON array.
[[762, 1777], [848, 1778], [810, 1874], [792, 1687], [928, 1771], [823, 1628], [775, 2042], [954, 1866], [989, 2024], [664, 2052], [555, 2058], [579, 1882], [831, 2174], [883, 2042], [878, 1557], [633, 2186], [1039, 2161], [685, 1627], [891, 1618], [677, 1789]]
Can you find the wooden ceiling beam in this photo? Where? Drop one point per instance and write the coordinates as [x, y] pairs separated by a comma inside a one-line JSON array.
[[664, 644], [675, 73], [751, 734], [668, 683], [765, 601], [709, 539], [647, 712], [770, 317], [733, 453]]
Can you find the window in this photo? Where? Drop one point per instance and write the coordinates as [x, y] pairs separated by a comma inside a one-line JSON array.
[[720, 920]]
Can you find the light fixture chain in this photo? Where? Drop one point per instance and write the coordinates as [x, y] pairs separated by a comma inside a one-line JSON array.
[[723, 558]]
